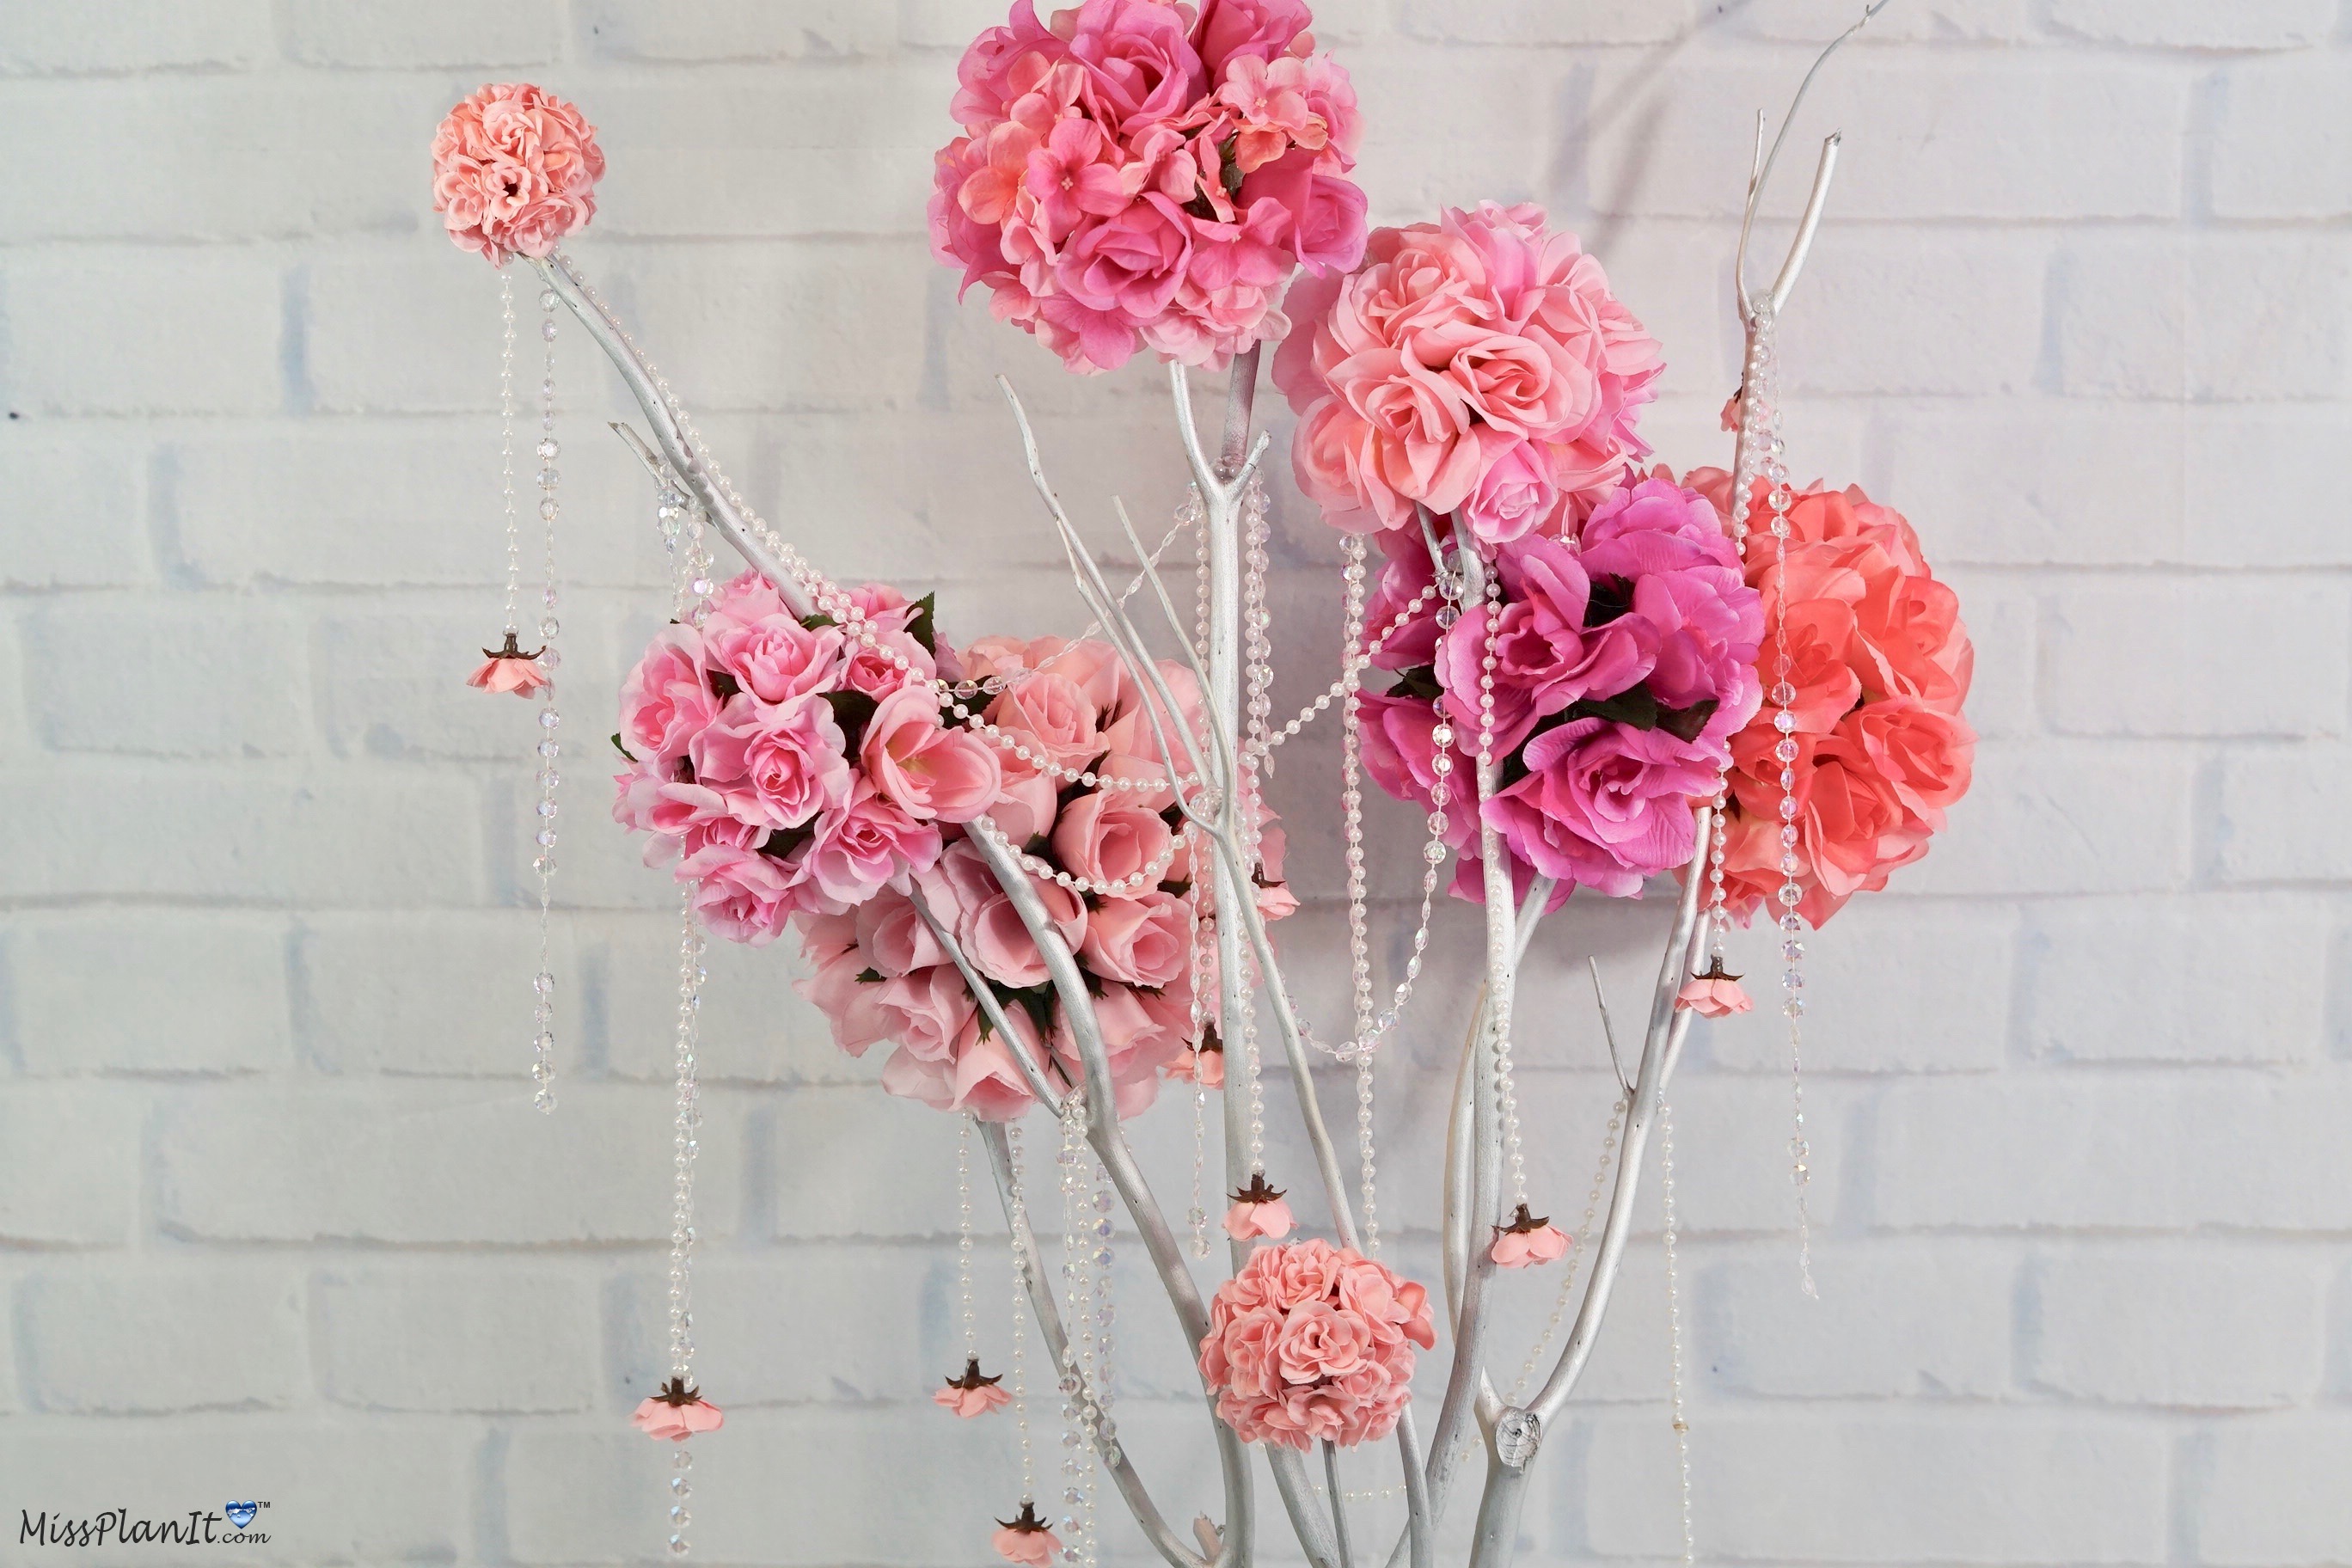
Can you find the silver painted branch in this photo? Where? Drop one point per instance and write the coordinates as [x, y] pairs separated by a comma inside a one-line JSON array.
[[676, 449], [1038, 1286]]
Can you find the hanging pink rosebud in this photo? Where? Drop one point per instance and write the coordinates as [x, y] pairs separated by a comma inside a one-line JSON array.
[[1206, 1066], [677, 1412], [1258, 1210], [1713, 995], [1026, 1539], [971, 1394], [1526, 1241], [509, 669]]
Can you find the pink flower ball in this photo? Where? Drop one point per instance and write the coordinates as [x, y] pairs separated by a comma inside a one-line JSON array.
[[1136, 175], [1477, 367], [1309, 1342], [514, 169]]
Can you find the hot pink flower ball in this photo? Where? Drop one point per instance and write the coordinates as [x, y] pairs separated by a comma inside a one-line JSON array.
[[1477, 367], [515, 169], [1310, 1341], [1624, 661], [1140, 174]]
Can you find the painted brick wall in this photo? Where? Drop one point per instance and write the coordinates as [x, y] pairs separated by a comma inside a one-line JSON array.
[[276, 1219]]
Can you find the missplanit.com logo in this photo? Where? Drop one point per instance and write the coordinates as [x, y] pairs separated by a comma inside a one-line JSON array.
[[230, 1525]]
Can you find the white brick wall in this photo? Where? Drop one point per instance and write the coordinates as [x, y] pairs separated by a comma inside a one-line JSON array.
[[276, 1219]]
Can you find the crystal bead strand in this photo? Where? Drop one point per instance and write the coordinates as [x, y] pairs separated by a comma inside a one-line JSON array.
[[685, 1144], [1764, 391], [550, 749], [829, 596], [1583, 1240], [1364, 1047], [1675, 1322], [507, 450], [1079, 1410], [964, 1242], [1016, 1204], [1498, 997], [1198, 962]]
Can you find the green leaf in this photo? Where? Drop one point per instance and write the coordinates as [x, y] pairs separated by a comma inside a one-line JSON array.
[[921, 627], [781, 844], [816, 618], [853, 710], [619, 748], [1686, 724], [723, 685], [1420, 681]]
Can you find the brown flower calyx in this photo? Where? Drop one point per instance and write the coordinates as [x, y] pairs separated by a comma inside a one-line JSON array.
[[1522, 1223], [512, 650], [1257, 1191], [1026, 1521], [1715, 970], [971, 1378], [1209, 1040], [675, 1392]]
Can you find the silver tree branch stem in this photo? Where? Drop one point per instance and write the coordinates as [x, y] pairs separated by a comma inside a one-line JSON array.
[[1688, 934], [676, 449], [1040, 1289]]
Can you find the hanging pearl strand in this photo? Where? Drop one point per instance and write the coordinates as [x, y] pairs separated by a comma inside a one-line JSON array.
[[1498, 998], [1017, 1206], [1359, 951], [686, 1126], [1674, 1323], [542, 1064], [1583, 1240], [1080, 1410], [1199, 959], [963, 1242], [1762, 402], [507, 450], [835, 602]]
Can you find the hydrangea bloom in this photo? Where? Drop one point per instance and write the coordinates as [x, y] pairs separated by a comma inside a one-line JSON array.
[[1477, 367], [514, 169], [1135, 175], [1309, 1342]]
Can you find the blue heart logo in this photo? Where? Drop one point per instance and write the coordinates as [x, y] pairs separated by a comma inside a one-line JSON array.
[[240, 1514]]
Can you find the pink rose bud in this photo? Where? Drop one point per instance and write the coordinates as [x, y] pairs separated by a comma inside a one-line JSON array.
[[1526, 1241], [677, 1412], [1713, 995], [1258, 1210], [971, 1394], [509, 669], [1026, 1539]]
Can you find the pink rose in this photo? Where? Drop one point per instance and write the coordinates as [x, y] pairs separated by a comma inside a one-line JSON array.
[[777, 765], [1108, 843], [1140, 66], [666, 701], [892, 936], [1525, 1248], [979, 1399], [865, 843], [1318, 1340], [1514, 494], [1603, 805], [927, 770], [1133, 262], [1326, 212], [1053, 714], [676, 1420], [1270, 1219], [774, 658], [854, 1008], [1227, 29], [1140, 940], [928, 1009], [744, 895]]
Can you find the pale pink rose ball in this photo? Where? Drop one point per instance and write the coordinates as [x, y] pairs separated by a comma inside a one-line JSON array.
[[515, 169]]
